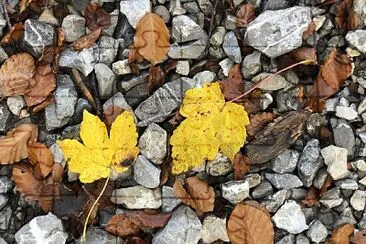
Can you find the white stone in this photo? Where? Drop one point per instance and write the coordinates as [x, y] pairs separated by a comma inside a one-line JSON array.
[[276, 82], [235, 191], [336, 160], [290, 218], [347, 113], [134, 10], [317, 232], [213, 229], [121, 67], [153, 143], [15, 104], [182, 67], [358, 200], [226, 65], [137, 197]]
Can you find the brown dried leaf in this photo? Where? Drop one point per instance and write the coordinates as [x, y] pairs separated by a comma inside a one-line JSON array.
[[87, 40], [327, 183], [16, 33], [40, 157], [250, 223], [148, 220], [134, 56], [43, 105], [346, 18], [183, 195], [111, 113], [60, 37], [156, 78], [241, 165], [121, 225], [96, 17], [152, 38], [16, 75], [312, 197], [233, 86], [57, 172], [342, 234], [304, 53], [358, 238], [47, 195], [25, 181], [245, 15], [258, 122], [201, 193], [310, 30], [13, 146]]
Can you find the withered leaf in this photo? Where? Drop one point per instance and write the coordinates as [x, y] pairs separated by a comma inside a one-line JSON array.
[[241, 165], [310, 30], [13, 146], [312, 197], [346, 18], [258, 122], [148, 220], [121, 225], [342, 234], [57, 172], [183, 195], [16, 33], [87, 40], [16, 75], [156, 78], [245, 15], [40, 157], [358, 238], [152, 38], [48, 193], [96, 17], [233, 86], [304, 53], [25, 181], [250, 223], [111, 113]]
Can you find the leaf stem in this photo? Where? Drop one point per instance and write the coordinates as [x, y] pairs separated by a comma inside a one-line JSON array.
[[83, 238]]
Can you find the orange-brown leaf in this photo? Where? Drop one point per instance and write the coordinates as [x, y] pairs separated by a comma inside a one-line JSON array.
[[41, 157], [342, 234], [309, 31], [233, 86], [346, 18], [15, 34], [359, 237], [183, 195], [312, 197], [96, 17], [250, 223], [258, 122], [241, 165], [304, 53], [57, 172], [47, 195], [121, 225], [245, 15], [87, 40], [148, 220], [201, 193], [111, 113], [25, 181], [156, 78]]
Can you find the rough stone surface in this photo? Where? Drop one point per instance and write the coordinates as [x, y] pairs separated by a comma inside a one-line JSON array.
[[121, 67], [290, 218], [221, 165], [277, 32], [231, 47], [15, 104], [83, 60], [3, 200], [191, 50], [213, 229], [336, 160], [185, 29], [235, 191], [5, 215], [5, 184], [285, 162], [275, 201], [276, 82], [106, 81], [263, 190], [317, 232], [182, 227], [137, 197], [163, 12], [73, 27], [203, 77], [253, 179], [96, 235], [153, 143], [108, 48], [332, 198], [134, 10], [283, 181], [182, 67], [117, 100], [251, 65], [346, 112], [42, 229], [344, 137], [145, 173], [358, 200], [170, 201], [5, 118], [218, 36], [357, 39], [37, 36]]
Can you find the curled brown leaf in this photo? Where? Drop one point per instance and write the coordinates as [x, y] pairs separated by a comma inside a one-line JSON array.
[[245, 15], [16, 33], [258, 122], [40, 157], [96, 17], [241, 165], [346, 18], [358, 238], [233, 86], [121, 225], [25, 181], [87, 40], [156, 78]]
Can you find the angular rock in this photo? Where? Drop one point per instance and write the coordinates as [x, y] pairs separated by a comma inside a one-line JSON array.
[[213, 229], [332, 198], [83, 61], [287, 239], [347, 184], [3, 200], [96, 235], [145, 173], [117, 100], [37, 36], [184, 29], [5, 215], [106, 81], [263, 190], [182, 227], [358, 200], [226, 65], [276, 82], [317, 232], [3, 55], [163, 12], [65, 97], [336, 160], [108, 48], [221, 165], [251, 65], [81, 104], [153, 143], [114, 20], [287, 100], [357, 39], [121, 67], [285, 162], [346, 112], [344, 136], [73, 27], [235, 191], [283, 181], [5, 184], [42, 229], [182, 67], [218, 36], [137, 197], [5, 118], [275, 201], [193, 50], [137, 95], [290, 218], [203, 77], [301, 239], [127, 85], [231, 47], [170, 201], [277, 32], [58, 155], [134, 10], [15, 104]]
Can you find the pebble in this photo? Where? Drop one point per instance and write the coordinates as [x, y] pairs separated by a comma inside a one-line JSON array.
[[275, 201], [2, 25], [117, 100], [183, 227], [134, 10], [290, 218], [137, 197], [145, 173], [216, 52], [266, 99], [277, 32], [114, 20], [357, 39], [320, 177], [58, 155], [176, 8], [360, 164], [347, 184], [194, 50], [108, 48], [221, 165], [5, 215], [73, 27], [332, 198], [121, 67], [83, 60], [283, 181], [3, 55], [163, 12], [170, 201], [230, 22], [15, 104], [346, 112], [310, 162], [314, 124], [42, 229], [253, 179], [206, 7], [336, 160], [317, 232], [182, 67], [214, 229], [95, 235], [344, 136], [184, 29], [106, 81], [263, 190], [235, 191], [37, 36], [5, 118], [285, 162], [203, 77], [5, 184], [81, 104], [359, 6], [276, 82], [153, 143], [287, 239], [251, 65], [3, 201], [302, 239], [358, 200], [231, 47], [217, 37], [226, 65]]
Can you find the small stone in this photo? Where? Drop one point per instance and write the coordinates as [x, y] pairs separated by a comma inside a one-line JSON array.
[[3, 201], [108, 48], [73, 27], [48, 17], [253, 179], [137, 95], [37, 36], [81, 105], [5, 118], [287, 99], [3, 55], [276, 4], [218, 36], [346, 112], [182, 67], [185, 29], [214, 229], [128, 85], [301, 239], [284, 181], [285, 162], [2, 24], [275, 201], [319, 21], [230, 22], [358, 200], [5, 215], [137, 197], [96, 235], [276, 82], [163, 12], [263, 190], [15, 104], [357, 39], [194, 50], [336, 160], [347, 184], [251, 65], [216, 52], [192, 7], [134, 10], [226, 65], [203, 77], [65, 97], [359, 7], [221, 165], [182, 227], [266, 99], [320, 177], [345, 217], [314, 124], [114, 20], [360, 164], [58, 155], [153, 143], [277, 32], [106, 81], [170, 200], [298, 194], [42, 229], [121, 67], [332, 198], [5, 184], [235, 191], [317, 232], [83, 61], [145, 173], [363, 181], [117, 100], [206, 7], [288, 239], [176, 8], [290, 218], [344, 136], [231, 47]]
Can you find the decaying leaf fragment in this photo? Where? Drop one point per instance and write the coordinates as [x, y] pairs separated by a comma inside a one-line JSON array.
[[342, 234], [96, 17], [100, 153], [87, 40], [233, 86], [41, 157], [245, 15], [359, 237]]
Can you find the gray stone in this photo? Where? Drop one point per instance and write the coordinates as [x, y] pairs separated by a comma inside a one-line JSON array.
[[345, 217], [226, 65], [117, 100], [127, 85], [176, 8], [214, 229], [301, 239], [5, 215], [362, 223], [108, 48], [266, 99], [2, 24], [106, 81], [192, 7], [287, 100], [182, 67], [251, 65], [357, 39], [185, 29], [182, 227], [73, 27], [160, 105], [153, 143], [310, 162], [194, 50], [298, 194], [347, 184], [163, 12], [145, 173], [360, 164], [58, 155], [3, 55], [170, 201], [283, 181], [83, 61], [216, 52], [276, 4], [5, 184], [42, 229], [81, 104], [315, 122], [48, 17], [231, 47], [114, 20], [290, 218], [121, 67], [217, 37], [344, 136], [276, 82], [5, 118], [336, 160], [285, 162], [15, 104], [203, 77], [3, 200], [235, 191], [317, 232], [332, 198], [230, 22], [134, 10], [288, 239], [263, 190], [253, 179], [137, 94], [277, 32], [37, 36], [346, 112], [137, 197], [275, 201], [2, 241], [358, 200], [96, 235], [65, 97], [320, 177], [359, 6]]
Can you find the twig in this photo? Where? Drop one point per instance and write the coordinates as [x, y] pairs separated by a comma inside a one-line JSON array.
[[80, 83]]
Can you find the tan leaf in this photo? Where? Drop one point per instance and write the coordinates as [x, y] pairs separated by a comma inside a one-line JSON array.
[[16, 75], [342, 234], [57, 172], [25, 181], [183, 195], [15, 34], [250, 223], [47, 195], [304, 53], [13, 146], [121, 225], [201, 193], [245, 15], [148, 220], [152, 38], [40, 157], [87, 40], [359, 237], [111, 113], [241, 165], [258, 122], [310, 30], [233, 86]]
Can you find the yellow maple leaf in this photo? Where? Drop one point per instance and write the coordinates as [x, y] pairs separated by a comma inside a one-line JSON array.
[[211, 125], [99, 154]]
